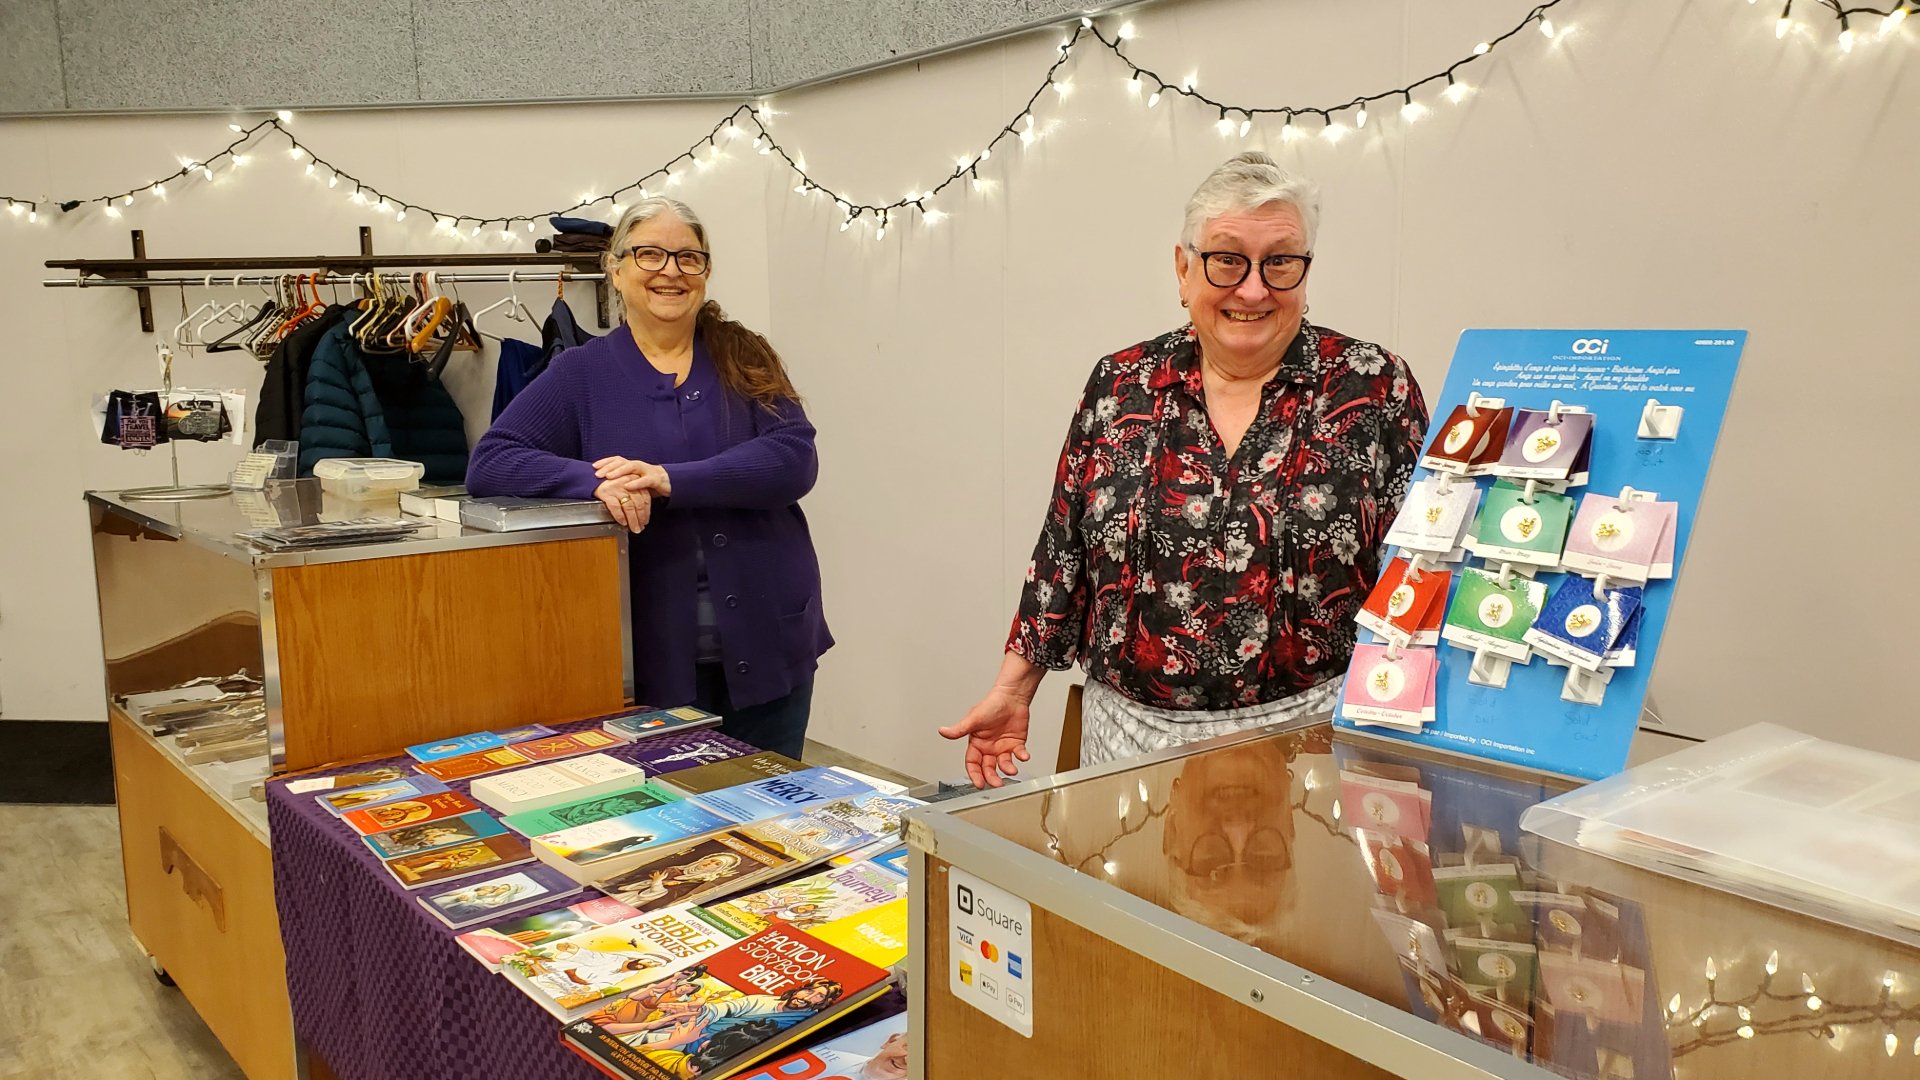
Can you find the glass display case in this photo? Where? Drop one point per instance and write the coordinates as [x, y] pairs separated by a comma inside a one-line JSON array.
[[1301, 902]]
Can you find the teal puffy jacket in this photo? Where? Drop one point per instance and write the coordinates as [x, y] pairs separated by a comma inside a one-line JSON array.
[[361, 404]]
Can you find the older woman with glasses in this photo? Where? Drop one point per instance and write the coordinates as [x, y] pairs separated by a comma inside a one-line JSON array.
[[685, 424], [1219, 508]]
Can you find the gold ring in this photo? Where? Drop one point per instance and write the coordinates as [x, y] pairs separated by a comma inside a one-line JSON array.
[[626, 498]]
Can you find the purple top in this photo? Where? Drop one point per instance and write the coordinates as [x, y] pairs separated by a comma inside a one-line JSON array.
[[738, 471]]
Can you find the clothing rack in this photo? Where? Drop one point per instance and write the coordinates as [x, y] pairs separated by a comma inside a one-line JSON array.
[[138, 272]]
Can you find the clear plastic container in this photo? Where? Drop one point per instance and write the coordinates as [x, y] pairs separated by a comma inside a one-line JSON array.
[[367, 478], [1768, 813]]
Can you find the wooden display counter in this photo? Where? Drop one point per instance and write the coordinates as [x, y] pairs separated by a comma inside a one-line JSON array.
[[363, 650]]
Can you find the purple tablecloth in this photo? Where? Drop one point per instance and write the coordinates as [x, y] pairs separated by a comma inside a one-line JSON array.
[[379, 988]]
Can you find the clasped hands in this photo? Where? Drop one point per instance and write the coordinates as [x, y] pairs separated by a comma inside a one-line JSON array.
[[628, 489]]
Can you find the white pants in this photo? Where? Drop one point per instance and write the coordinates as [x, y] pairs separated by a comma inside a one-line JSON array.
[[1114, 726]]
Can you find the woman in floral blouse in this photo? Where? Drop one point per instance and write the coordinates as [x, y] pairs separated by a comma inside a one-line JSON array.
[[1219, 507]]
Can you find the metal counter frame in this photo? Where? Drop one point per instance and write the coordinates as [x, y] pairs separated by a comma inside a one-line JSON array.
[[1371, 1030]]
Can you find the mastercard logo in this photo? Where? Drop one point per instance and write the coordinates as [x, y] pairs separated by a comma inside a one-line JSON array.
[[988, 950]]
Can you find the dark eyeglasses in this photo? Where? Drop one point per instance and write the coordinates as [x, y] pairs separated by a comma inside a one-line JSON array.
[[1227, 269], [1266, 851], [691, 261]]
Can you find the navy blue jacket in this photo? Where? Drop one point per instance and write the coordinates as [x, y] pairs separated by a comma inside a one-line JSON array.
[[361, 404]]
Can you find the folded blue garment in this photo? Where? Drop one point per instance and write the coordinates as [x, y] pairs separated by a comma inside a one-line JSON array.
[[580, 225]]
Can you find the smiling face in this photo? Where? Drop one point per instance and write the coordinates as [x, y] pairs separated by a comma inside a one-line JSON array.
[[664, 296], [1248, 326]]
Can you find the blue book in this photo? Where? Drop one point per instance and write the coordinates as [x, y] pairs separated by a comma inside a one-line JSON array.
[[777, 795], [456, 746], [524, 732], [599, 847], [355, 798], [429, 835]]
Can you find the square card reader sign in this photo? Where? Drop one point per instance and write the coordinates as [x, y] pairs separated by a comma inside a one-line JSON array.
[[991, 956]]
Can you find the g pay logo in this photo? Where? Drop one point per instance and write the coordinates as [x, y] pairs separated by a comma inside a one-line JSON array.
[[1590, 346], [966, 900]]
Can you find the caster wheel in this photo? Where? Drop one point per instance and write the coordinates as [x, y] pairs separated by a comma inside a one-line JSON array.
[[159, 972]]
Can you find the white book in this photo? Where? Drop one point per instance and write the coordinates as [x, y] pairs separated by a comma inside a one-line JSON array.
[[557, 782]]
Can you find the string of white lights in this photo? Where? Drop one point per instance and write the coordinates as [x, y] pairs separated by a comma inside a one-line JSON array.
[[705, 151]]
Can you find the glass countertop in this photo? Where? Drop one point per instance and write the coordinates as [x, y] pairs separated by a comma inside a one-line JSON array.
[[1403, 874], [215, 524]]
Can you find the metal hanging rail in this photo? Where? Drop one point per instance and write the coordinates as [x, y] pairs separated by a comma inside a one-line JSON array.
[[137, 273], [216, 281]]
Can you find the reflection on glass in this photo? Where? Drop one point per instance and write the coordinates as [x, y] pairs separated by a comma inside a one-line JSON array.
[[1405, 876]]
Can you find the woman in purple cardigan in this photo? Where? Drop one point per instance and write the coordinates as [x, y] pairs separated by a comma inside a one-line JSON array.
[[685, 424]]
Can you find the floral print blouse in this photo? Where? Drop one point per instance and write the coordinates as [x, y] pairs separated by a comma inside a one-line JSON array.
[[1189, 580]]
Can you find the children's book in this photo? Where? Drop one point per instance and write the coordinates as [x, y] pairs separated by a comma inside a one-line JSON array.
[[572, 976], [740, 1005], [496, 941], [814, 900], [875, 1050]]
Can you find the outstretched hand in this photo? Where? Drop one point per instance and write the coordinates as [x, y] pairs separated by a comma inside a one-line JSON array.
[[996, 734]]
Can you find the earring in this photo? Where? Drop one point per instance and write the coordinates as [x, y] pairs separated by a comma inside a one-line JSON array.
[[1183, 301]]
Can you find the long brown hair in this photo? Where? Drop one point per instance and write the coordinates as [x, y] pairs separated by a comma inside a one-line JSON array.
[[745, 361]]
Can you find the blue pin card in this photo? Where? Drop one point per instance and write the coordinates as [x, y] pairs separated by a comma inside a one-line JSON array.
[[1656, 399]]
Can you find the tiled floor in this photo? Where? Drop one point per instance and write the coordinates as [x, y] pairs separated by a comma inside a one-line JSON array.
[[78, 998]]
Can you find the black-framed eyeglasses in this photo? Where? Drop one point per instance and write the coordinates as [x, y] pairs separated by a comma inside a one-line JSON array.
[[691, 261], [1227, 269]]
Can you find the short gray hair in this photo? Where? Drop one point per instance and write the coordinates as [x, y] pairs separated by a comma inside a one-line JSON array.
[[1249, 181]]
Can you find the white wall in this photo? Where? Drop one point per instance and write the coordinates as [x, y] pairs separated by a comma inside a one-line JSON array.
[[1661, 165]]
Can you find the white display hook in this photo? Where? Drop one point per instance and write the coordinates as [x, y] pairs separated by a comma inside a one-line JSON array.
[[1624, 503], [1414, 566], [1473, 404], [1600, 588], [1659, 421], [1553, 411], [1506, 575], [1526, 496], [1393, 652]]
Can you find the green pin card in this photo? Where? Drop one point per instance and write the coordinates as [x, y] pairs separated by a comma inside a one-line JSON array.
[[1516, 527], [1487, 618]]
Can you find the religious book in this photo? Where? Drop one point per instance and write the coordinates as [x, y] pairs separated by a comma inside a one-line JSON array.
[[679, 751], [428, 835], [742, 1004], [601, 849], [646, 725], [866, 1049], [613, 804], [779, 795], [496, 941], [480, 899], [724, 774], [555, 783], [392, 815], [814, 900], [459, 861], [573, 976], [730, 861], [405, 787]]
